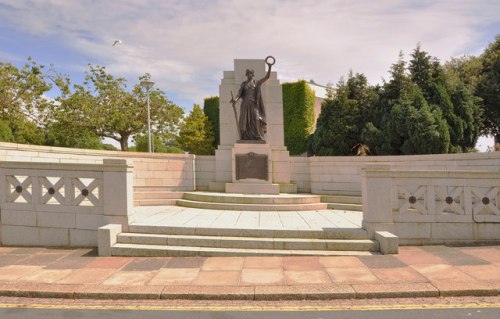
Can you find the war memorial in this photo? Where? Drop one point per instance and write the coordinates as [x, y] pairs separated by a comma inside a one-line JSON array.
[[251, 198]]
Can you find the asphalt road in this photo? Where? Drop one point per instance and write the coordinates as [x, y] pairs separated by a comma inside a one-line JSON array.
[[54, 313]]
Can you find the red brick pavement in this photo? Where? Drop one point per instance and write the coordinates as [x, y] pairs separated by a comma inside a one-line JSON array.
[[415, 272]]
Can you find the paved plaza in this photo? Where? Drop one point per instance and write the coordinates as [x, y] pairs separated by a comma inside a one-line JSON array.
[[175, 216], [427, 271]]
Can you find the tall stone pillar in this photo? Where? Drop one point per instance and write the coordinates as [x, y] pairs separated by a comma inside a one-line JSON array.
[[230, 150]]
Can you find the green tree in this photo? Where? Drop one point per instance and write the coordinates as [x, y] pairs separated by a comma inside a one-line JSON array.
[[158, 144], [5, 132], [102, 104], [402, 120], [196, 133], [445, 89], [58, 134], [464, 71], [298, 115], [341, 121], [211, 110], [23, 106], [488, 89]]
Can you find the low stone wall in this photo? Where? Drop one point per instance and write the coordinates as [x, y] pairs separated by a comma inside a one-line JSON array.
[[432, 207], [342, 174], [171, 172], [329, 175], [57, 204], [204, 171]]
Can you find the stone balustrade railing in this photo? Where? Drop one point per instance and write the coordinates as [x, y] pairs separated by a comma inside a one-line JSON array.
[[55, 204], [431, 207]]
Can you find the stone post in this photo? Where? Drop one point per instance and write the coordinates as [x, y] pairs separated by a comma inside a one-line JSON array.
[[118, 192], [376, 189]]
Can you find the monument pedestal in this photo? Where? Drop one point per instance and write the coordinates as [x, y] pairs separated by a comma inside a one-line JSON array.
[[252, 169]]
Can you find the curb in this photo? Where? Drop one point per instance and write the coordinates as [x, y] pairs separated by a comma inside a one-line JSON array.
[[261, 293]]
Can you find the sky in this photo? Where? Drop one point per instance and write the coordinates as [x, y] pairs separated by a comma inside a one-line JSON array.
[[186, 45]]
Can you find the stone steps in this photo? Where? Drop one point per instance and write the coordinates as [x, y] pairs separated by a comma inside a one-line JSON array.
[[330, 233], [185, 251], [251, 202], [155, 202], [343, 202], [251, 207], [256, 243], [155, 196], [252, 198], [342, 206], [342, 199]]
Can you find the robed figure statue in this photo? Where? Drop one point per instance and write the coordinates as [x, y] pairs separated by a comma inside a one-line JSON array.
[[252, 123]]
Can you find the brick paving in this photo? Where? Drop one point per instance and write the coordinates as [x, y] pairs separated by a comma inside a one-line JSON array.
[[414, 272]]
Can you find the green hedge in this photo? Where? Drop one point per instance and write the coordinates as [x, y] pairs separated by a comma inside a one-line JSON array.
[[211, 110], [298, 115]]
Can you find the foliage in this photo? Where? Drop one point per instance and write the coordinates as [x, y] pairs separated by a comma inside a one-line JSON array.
[[340, 123], [158, 144], [488, 88], [21, 90], [196, 133], [62, 136], [103, 105], [298, 115], [5, 132], [23, 106], [211, 110]]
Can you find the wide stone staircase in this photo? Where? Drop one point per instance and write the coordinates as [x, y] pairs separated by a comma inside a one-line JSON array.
[[221, 224]]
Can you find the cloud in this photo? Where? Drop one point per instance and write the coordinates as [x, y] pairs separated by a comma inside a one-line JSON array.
[[186, 45]]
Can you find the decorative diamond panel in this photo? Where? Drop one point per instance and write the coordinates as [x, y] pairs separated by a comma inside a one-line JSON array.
[[19, 189], [52, 190], [412, 201], [87, 191], [486, 202], [450, 200]]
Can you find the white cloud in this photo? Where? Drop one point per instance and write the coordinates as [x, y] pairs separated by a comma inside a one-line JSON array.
[[186, 45]]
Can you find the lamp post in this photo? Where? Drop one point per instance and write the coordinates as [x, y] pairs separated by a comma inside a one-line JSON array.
[[148, 85]]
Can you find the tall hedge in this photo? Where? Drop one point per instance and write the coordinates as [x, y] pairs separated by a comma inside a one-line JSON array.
[[298, 115], [211, 110]]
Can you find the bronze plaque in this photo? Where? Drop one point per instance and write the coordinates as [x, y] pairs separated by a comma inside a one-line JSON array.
[[251, 165]]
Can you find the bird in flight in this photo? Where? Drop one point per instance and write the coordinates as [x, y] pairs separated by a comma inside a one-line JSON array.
[[117, 42]]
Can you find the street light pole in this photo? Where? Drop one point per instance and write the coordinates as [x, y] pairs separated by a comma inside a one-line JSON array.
[[148, 85]]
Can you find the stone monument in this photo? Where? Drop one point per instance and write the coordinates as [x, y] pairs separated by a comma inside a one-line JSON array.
[[251, 157]]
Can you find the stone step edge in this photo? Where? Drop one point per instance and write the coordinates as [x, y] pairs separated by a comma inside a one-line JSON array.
[[252, 207], [343, 206], [240, 242], [342, 199], [337, 233], [137, 250], [247, 199]]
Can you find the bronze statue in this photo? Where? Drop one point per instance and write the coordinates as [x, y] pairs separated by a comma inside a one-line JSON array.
[[252, 124]]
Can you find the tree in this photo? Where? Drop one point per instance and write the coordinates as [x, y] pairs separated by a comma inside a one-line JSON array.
[[5, 132], [58, 134], [158, 144], [196, 133], [103, 105], [23, 105], [211, 110], [340, 122], [403, 121], [488, 89]]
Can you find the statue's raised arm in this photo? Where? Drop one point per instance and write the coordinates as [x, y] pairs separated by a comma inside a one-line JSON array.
[[270, 60]]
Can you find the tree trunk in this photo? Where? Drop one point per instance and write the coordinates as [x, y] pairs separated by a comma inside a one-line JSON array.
[[124, 143]]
